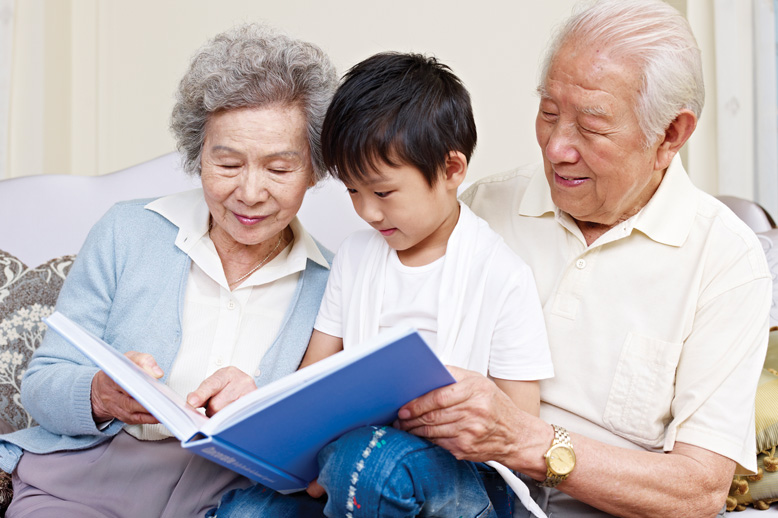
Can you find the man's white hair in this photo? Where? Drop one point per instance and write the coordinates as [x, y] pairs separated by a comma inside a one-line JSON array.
[[658, 39]]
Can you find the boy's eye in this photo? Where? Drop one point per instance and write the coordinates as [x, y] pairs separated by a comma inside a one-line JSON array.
[[382, 194], [351, 191]]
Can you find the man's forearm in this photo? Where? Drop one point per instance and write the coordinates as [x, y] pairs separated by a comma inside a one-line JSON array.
[[690, 481]]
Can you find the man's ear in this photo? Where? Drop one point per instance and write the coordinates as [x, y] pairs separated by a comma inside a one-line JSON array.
[[676, 135], [456, 169]]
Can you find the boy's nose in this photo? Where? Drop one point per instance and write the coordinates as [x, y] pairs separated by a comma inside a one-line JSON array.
[[368, 211]]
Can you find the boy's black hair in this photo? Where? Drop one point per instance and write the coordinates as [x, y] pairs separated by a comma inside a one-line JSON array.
[[399, 109]]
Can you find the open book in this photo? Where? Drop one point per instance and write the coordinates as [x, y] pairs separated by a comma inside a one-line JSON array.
[[273, 435]]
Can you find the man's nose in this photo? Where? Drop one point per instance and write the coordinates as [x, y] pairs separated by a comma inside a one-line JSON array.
[[561, 146]]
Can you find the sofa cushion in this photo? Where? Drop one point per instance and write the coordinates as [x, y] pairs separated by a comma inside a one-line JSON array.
[[769, 240], [771, 359], [759, 490], [767, 411], [26, 295]]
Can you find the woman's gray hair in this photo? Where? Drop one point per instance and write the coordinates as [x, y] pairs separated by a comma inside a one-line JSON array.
[[659, 40], [248, 66]]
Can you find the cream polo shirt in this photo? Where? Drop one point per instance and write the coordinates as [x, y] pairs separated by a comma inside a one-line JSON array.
[[658, 330], [220, 327]]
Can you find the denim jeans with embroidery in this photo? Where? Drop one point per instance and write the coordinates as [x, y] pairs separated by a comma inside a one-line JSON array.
[[383, 472]]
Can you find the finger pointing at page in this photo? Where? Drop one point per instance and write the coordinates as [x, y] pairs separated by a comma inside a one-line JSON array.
[[220, 389]]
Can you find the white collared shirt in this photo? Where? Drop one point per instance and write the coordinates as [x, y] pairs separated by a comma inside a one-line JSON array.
[[220, 327], [657, 329]]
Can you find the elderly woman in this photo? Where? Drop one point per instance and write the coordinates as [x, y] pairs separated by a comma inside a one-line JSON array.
[[215, 291]]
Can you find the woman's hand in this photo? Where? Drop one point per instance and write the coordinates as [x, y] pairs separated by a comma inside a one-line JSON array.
[[220, 389], [471, 418], [110, 401]]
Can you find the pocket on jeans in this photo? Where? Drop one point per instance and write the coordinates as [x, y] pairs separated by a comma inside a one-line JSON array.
[[638, 406]]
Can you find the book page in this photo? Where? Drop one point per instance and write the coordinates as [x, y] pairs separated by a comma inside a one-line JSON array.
[[167, 406], [269, 394]]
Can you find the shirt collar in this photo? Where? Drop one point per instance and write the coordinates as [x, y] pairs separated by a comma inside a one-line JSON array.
[[667, 217], [189, 212], [307, 245], [537, 198]]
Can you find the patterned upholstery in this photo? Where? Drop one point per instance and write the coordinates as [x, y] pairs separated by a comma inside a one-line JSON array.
[[26, 295]]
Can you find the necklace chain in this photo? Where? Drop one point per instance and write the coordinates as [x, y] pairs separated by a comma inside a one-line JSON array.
[[261, 263]]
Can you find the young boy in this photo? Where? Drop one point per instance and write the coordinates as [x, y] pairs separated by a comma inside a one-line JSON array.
[[399, 134]]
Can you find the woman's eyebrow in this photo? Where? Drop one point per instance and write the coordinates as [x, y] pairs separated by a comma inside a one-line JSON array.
[[277, 154]]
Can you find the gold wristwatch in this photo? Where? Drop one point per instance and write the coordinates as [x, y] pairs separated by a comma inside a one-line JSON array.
[[560, 458]]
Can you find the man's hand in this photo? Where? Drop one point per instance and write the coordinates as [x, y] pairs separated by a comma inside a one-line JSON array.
[[110, 401], [472, 418], [220, 389]]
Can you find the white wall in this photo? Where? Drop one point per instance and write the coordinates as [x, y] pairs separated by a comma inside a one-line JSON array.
[[93, 80]]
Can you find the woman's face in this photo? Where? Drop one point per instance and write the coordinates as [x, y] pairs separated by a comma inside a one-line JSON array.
[[256, 167]]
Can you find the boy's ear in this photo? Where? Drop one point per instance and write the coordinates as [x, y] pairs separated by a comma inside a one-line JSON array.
[[456, 169]]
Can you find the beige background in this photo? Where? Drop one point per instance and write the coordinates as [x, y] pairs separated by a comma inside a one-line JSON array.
[[93, 81]]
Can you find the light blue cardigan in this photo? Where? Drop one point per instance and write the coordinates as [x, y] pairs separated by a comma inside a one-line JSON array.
[[127, 286]]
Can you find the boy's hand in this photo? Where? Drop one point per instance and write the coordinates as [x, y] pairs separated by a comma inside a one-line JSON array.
[[315, 489]]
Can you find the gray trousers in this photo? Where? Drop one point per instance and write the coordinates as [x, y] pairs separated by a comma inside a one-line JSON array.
[[557, 504], [122, 478]]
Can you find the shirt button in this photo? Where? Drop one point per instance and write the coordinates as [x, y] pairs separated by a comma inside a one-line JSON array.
[[218, 362], [231, 304], [580, 264], [257, 373]]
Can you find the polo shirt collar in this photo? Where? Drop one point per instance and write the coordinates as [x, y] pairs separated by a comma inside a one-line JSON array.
[[537, 197], [667, 217], [189, 212]]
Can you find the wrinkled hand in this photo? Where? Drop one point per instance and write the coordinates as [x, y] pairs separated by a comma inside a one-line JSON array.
[[110, 401], [472, 418], [220, 389], [315, 489]]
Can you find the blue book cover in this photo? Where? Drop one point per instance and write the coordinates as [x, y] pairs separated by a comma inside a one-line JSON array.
[[273, 435]]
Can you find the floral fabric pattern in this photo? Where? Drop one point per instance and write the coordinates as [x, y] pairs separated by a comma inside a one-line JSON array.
[[26, 296]]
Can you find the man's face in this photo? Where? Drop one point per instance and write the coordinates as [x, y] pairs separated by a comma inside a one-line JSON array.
[[596, 164]]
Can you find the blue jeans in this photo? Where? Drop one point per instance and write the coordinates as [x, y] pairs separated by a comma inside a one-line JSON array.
[[383, 472]]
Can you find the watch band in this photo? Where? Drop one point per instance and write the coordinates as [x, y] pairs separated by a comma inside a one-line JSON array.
[[561, 438]]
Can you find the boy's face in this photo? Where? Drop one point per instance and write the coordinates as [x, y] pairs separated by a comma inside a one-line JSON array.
[[414, 218]]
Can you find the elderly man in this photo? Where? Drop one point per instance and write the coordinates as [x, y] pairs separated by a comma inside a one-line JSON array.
[[655, 295]]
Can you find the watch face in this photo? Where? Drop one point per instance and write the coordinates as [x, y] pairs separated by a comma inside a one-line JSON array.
[[560, 459]]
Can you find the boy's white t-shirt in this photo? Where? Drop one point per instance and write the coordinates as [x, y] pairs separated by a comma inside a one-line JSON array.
[[510, 339], [411, 297]]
